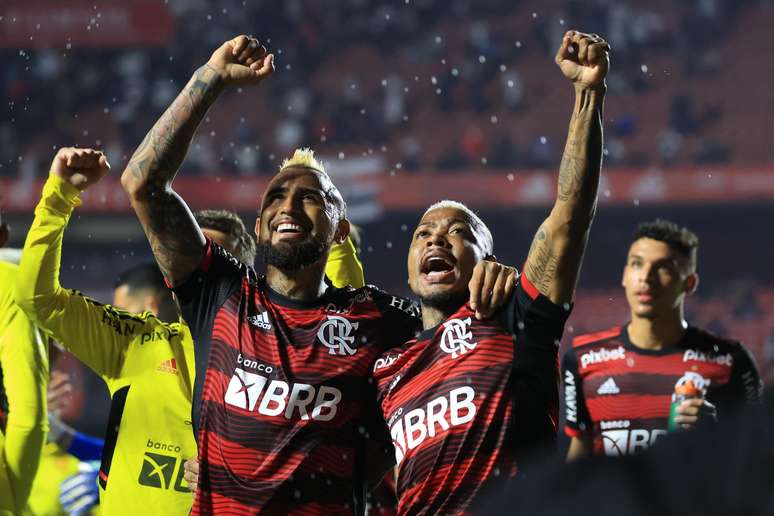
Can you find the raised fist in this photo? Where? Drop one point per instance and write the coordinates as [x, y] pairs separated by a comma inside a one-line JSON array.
[[242, 60], [583, 58], [80, 167]]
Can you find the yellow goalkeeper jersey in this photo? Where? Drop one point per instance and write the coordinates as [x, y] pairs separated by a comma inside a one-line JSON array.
[[24, 361], [148, 366]]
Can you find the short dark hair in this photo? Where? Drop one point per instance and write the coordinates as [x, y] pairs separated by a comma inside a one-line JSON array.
[[679, 238], [143, 276], [231, 224]]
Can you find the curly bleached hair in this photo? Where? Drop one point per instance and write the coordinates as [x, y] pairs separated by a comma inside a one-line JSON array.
[[304, 158]]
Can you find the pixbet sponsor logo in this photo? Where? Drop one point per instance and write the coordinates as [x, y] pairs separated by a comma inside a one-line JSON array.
[[602, 355], [625, 442], [699, 356], [385, 361], [440, 414], [255, 392]]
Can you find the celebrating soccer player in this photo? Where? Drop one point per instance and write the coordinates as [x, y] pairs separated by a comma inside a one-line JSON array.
[[467, 399], [626, 386], [23, 381], [283, 401]]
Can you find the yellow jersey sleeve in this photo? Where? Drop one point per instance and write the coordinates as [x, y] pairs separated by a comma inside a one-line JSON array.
[[97, 334], [24, 359], [344, 267]]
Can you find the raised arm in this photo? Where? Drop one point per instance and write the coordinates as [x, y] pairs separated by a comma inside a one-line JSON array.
[[556, 253], [175, 238]]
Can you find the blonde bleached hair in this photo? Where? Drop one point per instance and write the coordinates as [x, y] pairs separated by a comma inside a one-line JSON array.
[[304, 158]]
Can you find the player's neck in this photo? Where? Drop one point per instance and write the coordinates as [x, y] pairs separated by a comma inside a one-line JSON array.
[[304, 284], [657, 333], [432, 316]]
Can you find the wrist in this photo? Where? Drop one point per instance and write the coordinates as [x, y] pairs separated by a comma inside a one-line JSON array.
[[61, 193], [212, 77], [599, 89]]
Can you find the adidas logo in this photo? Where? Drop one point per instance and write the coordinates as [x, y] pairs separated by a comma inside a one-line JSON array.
[[168, 366], [261, 320], [608, 387]]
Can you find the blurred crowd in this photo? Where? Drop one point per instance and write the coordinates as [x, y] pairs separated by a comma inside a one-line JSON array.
[[429, 84]]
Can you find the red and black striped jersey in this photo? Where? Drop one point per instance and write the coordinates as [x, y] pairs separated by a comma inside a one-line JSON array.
[[620, 394], [464, 401], [284, 405]]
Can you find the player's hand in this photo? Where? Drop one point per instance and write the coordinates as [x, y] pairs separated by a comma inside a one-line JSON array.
[[191, 474], [583, 58], [694, 410], [242, 60], [490, 286], [80, 167]]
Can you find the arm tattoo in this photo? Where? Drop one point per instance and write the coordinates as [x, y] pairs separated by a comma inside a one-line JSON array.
[[175, 238], [582, 158], [541, 262], [556, 253]]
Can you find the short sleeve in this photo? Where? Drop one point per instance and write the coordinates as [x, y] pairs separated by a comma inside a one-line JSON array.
[[744, 386], [577, 421], [205, 291]]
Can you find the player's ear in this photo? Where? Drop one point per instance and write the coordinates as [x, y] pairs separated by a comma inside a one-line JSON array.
[[691, 283], [257, 228], [342, 231]]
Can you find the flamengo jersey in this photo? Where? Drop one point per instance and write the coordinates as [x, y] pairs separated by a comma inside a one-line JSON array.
[[284, 403], [466, 399], [147, 365], [620, 394]]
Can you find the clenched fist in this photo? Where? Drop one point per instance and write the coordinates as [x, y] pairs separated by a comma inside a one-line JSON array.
[[80, 167], [583, 58], [242, 60]]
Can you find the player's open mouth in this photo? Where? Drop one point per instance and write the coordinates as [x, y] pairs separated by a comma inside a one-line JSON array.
[[438, 267]]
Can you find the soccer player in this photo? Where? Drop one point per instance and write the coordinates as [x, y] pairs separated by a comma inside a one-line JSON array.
[[23, 381], [468, 400], [137, 345], [283, 402], [619, 383]]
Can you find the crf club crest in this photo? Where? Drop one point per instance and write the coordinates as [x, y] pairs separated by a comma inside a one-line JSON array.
[[457, 337], [336, 335]]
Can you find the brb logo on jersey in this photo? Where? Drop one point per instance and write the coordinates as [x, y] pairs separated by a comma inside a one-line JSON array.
[[627, 442], [456, 337], [336, 335], [440, 414], [254, 392]]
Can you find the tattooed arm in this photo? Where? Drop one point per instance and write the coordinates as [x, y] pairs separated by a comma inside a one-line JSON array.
[[175, 238], [557, 250]]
